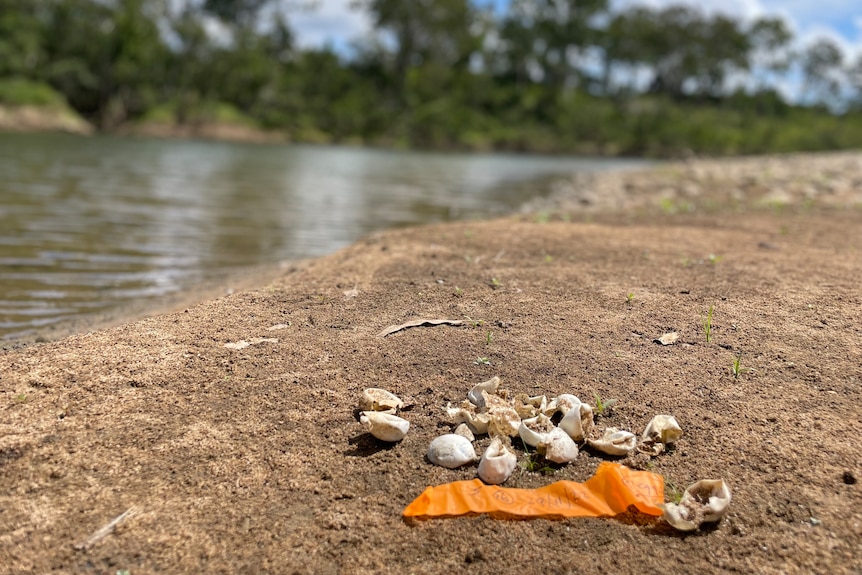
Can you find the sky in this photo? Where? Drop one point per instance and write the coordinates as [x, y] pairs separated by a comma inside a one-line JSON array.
[[334, 22]]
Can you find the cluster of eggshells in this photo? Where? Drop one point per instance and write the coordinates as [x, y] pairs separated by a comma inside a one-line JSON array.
[[490, 411], [487, 410]]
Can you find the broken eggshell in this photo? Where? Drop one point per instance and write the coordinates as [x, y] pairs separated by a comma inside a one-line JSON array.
[[614, 442], [528, 407], [661, 431], [534, 430], [451, 451], [562, 403], [466, 413], [558, 447], [476, 396], [578, 420], [504, 419], [706, 501], [376, 399], [384, 426], [668, 338], [464, 431], [497, 463]]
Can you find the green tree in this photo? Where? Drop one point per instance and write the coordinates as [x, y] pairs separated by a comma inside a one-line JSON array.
[[854, 77], [770, 40], [622, 46], [547, 40], [240, 12], [822, 63], [426, 32], [21, 50], [104, 57]]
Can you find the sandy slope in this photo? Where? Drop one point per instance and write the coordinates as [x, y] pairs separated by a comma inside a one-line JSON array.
[[253, 460]]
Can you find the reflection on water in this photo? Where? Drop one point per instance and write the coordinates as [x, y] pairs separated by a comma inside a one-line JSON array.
[[87, 224]]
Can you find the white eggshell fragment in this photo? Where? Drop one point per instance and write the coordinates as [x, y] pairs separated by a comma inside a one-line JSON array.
[[464, 431], [490, 387], [578, 420], [563, 403], [661, 431], [376, 399], [668, 338], [497, 463], [466, 413], [528, 407], [558, 447], [504, 419], [706, 501], [534, 430], [451, 451], [385, 426], [614, 442]]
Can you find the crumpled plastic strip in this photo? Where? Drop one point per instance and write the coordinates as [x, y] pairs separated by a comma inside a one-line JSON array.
[[609, 492]]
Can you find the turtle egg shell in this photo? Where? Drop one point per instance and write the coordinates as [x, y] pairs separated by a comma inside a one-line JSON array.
[[451, 451]]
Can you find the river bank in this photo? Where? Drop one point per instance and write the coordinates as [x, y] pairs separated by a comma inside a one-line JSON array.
[[58, 119], [42, 119], [251, 458]]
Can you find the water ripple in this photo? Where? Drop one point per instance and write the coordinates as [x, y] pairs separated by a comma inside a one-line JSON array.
[[88, 224]]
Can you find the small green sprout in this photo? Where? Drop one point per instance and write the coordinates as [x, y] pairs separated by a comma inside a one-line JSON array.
[[474, 322], [736, 369], [602, 405], [668, 206], [675, 493], [489, 338], [495, 283], [714, 259], [535, 462], [482, 361], [707, 325], [630, 297], [548, 258], [458, 292], [21, 397]]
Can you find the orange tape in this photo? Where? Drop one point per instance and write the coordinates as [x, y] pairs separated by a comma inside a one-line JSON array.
[[609, 492]]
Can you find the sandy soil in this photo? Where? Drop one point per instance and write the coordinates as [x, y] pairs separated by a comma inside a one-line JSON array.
[[208, 131], [253, 460], [42, 118]]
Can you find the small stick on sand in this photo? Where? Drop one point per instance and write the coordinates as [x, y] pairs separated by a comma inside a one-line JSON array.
[[106, 530], [418, 323]]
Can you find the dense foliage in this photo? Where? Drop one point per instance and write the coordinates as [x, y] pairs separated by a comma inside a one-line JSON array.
[[545, 75]]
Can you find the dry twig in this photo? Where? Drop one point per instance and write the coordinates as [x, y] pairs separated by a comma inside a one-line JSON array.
[[107, 529]]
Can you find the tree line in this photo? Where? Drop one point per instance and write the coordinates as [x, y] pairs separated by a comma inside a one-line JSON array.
[[542, 75]]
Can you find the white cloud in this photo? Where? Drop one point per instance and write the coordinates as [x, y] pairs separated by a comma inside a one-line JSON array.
[[335, 22], [331, 22], [836, 20]]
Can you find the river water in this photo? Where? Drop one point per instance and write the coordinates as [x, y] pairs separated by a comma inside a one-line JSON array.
[[89, 224]]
